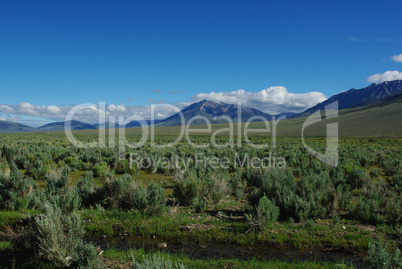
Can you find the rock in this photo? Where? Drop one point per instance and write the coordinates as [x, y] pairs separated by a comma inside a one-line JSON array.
[[162, 245]]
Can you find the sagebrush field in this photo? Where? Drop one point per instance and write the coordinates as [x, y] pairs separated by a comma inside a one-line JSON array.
[[89, 208]]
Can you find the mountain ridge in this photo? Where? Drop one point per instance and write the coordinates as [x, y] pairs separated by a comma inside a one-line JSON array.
[[358, 97], [219, 112], [214, 112], [14, 127]]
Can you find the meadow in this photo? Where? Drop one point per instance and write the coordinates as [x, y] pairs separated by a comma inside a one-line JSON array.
[[234, 206]]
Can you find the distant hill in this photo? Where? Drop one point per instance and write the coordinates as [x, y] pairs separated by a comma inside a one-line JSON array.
[[382, 118], [215, 113], [106, 125], [59, 126], [13, 127], [363, 97], [138, 124]]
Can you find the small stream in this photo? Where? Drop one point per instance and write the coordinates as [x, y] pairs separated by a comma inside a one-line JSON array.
[[224, 251]]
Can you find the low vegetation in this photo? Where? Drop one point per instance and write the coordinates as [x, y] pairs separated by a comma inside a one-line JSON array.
[[53, 196]]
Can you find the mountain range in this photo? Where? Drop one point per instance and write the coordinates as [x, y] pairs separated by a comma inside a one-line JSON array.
[[218, 112], [358, 98]]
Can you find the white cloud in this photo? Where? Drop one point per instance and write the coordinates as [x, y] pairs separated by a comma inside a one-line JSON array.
[[121, 108], [53, 109], [386, 76], [28, 109], [397, 58], [2, 119], [6, 109], [273, 100]]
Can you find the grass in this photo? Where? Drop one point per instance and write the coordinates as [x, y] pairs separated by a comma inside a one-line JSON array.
[[9, 217], [4, 245], [185, 227], [117, 258]]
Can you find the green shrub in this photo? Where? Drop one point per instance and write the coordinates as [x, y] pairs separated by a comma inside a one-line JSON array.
[[140, 199], [59, 194], [18, 192], [375, 172], [73, 162], [100, 169], [206, 185], [393, 210], [279, 185], [125, 193], [316, 196], [336, 220], [220, 188], [199, 205], [397, 179], [67, 199], [4, 168], [237, 185], [119, 192], [54, 183], [90, 193], [264, 214], [56, 239], [357, 177], [187, 188], [155, 199], [124, 167], [367, 208], [379, 258], [345, 196], [309, 224]]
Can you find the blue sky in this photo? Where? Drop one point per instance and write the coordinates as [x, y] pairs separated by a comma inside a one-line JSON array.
[[62, 53]]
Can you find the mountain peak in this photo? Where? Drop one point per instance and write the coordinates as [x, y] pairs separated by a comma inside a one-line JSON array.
[[214, 112]]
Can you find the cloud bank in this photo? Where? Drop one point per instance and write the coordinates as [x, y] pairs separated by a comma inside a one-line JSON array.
[[87, 113], [386, 76], [273, 100]]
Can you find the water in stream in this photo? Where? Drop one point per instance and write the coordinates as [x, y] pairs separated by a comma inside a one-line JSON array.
[[224, 251]]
